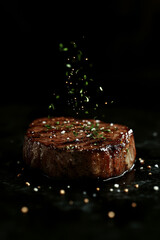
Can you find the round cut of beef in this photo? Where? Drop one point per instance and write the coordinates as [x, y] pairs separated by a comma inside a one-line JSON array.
[[73, 148]]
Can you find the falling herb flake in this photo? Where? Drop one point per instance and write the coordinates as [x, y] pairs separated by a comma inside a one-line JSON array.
[[87, 99], [78, 78], [71, 91], [85, 76], [65, 49], [61, 46], [51, 106], [79, 55], [74, 44], [68, 65], [86, 83]]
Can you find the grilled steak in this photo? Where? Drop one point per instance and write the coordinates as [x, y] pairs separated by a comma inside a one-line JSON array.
[[67, 147]]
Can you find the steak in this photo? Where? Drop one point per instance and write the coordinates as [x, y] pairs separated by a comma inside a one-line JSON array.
[[72, 148]]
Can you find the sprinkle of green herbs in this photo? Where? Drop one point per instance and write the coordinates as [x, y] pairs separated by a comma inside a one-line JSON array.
[[75, 133], [92, 126], [78, 77], [57, 122], [70, 126], [107, 130], [47, 126], [97, 125], [74, 44], [96, 132], [100, 135], [62, 48]]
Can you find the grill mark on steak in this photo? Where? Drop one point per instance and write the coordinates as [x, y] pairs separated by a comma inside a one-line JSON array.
[[71, 147], [62, 135]]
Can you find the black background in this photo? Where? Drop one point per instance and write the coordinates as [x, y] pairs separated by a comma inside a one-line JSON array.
[[121, 40]]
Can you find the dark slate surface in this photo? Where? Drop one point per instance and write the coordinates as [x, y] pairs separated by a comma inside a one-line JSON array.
[[50, 215]]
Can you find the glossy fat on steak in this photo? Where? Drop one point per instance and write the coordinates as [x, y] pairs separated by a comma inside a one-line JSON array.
[[72, 148]]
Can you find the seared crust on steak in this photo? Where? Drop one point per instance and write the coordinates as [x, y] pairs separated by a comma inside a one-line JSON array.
[[68, 147]]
